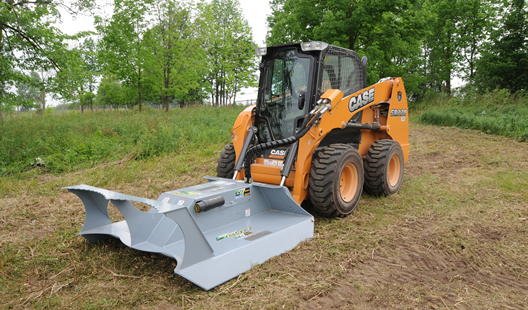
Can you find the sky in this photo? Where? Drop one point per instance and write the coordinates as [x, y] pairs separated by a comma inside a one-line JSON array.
[[254, 11]]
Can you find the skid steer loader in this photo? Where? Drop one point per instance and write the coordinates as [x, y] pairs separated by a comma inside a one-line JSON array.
[[317, 134]]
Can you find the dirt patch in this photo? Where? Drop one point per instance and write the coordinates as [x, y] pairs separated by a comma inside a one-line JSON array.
[[411, 272]]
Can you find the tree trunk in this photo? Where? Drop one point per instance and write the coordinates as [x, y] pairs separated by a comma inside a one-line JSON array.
[[139, 90], [217, 90], [43, 101]]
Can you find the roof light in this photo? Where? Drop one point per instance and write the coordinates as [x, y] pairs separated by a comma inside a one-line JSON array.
[[261, 51], [313, 46]]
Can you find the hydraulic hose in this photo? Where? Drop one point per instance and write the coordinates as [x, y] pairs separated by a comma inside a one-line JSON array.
[[259, 148]]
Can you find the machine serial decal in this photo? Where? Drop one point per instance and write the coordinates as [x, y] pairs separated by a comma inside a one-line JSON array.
[[361, 100], [236, 234], [399, 112]]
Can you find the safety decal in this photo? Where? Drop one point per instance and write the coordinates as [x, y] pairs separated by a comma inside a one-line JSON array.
[[180, 203], [241, 193], [275, 163], [236, 234], [248, 212], [166, 199], [399, 112]]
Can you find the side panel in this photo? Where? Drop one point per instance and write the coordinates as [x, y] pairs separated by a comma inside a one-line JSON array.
[[398, 118]]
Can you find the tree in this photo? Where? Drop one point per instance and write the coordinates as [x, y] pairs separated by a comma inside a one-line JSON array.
[[389, 33], [504, 62], [173, 52], [29, 41], [28, 92], [230, 49], [111, 92], [122, 47]]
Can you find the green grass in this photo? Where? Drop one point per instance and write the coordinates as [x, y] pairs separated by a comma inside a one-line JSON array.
[[497, 113], [71, 141]]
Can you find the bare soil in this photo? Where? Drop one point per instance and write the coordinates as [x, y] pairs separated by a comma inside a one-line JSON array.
[[454, 237]]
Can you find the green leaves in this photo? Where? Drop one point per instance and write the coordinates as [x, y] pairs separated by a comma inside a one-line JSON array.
[[388, 33], [504, 62], [229, 49]]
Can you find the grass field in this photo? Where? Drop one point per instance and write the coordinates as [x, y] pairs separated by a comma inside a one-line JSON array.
[[453, 237], [71, 141], [496, 112]]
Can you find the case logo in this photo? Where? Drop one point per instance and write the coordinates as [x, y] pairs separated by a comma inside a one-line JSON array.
[[361, 100], [278, 152]]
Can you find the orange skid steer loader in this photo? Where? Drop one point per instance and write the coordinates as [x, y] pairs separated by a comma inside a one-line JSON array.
[[317, 134]]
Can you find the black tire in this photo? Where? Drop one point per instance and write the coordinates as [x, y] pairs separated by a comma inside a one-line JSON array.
[[384, 165], [226, 162], [336, 180]]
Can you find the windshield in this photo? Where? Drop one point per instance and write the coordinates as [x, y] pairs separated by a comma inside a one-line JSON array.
[[287, 77]]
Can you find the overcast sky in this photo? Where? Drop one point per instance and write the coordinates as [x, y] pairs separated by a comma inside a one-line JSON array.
[[255, 12]]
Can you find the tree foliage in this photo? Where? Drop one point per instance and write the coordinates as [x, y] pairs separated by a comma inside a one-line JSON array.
[[229, 48], [387, 32], [504, 62], [427, 42], [174, 53], [30, 41]]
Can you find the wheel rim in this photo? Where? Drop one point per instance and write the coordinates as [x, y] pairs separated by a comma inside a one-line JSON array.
[[394, 170], [348, 182]]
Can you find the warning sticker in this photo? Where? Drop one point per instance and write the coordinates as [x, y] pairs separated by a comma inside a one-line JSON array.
[[180, 203], [166, 198], [275, 163], [236, 234], [248, 212]]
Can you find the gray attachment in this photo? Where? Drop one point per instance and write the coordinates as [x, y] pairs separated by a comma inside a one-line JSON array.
[[256, 222]]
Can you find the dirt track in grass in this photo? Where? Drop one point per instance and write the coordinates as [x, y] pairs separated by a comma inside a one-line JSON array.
[[454, 237]]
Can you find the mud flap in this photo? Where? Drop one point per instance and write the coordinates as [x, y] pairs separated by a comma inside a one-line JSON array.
[[254, 223]]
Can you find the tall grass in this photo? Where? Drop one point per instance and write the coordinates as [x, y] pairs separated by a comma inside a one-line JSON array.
[[496, 112], [72, 141]]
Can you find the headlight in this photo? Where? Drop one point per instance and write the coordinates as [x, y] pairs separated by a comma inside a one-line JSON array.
[[313, 46], [261, 51]]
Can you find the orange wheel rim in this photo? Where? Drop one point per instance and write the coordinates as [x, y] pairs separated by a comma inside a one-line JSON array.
[[394, 170], [348, 182]]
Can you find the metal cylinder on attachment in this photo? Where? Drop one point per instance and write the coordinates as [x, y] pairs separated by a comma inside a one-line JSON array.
[[208, 204]]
